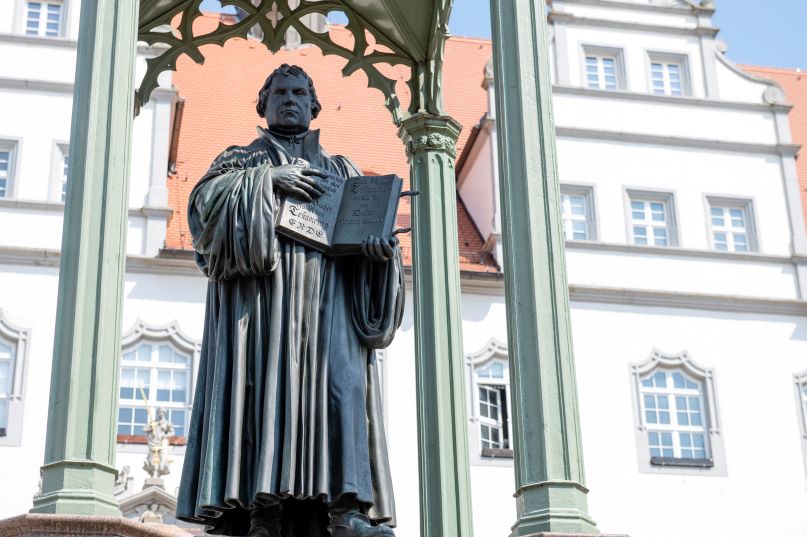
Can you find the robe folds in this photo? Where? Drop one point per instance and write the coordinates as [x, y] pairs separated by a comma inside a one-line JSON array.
[[287, 400]]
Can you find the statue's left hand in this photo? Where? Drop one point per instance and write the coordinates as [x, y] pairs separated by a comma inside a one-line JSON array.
[[378, 249]]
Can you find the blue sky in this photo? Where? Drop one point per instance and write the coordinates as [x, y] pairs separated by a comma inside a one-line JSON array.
[[759, 32]]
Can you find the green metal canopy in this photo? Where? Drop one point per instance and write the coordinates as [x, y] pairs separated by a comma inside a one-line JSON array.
[[412, 31], [79, 472]]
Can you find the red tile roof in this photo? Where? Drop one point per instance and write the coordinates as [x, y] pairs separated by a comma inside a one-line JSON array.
[[794, 83], [220, 111]]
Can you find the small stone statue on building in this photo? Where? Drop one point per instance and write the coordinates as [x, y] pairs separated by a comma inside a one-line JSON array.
[[159, 430], [152, 515], [122, 481]]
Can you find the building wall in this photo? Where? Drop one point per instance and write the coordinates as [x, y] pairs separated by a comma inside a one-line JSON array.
[[753, 356], [36, 105]]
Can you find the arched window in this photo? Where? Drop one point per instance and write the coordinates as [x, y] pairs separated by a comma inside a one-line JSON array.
[[156, 372], [676, 414], [13, 353], [490, 400], [673, 407]]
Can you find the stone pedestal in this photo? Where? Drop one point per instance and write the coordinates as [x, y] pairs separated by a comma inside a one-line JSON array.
[[43, 525]]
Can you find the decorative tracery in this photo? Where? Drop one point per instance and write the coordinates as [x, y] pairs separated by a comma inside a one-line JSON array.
[[169, 25]]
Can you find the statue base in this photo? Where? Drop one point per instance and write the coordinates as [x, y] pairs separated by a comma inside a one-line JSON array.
[[154, 482], [43, 525]]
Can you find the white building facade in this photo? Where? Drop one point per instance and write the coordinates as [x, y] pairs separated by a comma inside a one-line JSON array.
[[686, 253]]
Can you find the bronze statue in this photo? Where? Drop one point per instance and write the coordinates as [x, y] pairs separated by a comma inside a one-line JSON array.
[[286, 434]]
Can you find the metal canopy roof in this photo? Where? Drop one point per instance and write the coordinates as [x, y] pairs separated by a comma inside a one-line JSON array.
[[414, 31]]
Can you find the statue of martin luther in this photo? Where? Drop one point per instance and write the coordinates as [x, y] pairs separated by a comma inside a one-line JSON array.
[[286, 434]]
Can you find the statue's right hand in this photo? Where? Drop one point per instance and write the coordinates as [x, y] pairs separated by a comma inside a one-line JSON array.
[[298, 181]]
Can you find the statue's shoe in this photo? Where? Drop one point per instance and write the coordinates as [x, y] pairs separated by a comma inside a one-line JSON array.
[[355, 524], [265, 521]]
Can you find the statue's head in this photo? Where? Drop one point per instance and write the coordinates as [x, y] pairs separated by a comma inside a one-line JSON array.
[[161, 412], [288, 100]]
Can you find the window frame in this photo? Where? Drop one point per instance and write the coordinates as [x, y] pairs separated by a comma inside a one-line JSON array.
[[592, 222], [494, 351], [681, 59], [172, 335], [800, 384], [705, 376], [17, 338], [61, 149], [13, 146], [42, 29], [746, 204], [650, 195], [617, 53]]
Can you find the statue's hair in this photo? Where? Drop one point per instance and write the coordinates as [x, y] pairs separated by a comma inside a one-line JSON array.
[[287, 70]]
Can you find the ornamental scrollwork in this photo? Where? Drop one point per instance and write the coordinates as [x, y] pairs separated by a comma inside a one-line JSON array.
[[168, 27]]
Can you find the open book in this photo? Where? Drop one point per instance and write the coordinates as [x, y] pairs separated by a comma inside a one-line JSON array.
[[348, 212]]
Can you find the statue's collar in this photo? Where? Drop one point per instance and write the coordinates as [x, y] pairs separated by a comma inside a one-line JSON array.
[[304, 145], [309, 138]]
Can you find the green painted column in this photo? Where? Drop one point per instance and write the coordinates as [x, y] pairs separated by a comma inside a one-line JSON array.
[[550, 485], [79, 473], [445, 499]]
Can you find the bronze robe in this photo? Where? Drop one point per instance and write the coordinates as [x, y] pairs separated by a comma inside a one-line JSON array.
[[287, 401]]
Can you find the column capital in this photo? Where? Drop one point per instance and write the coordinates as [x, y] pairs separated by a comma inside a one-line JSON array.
[[422, 132]]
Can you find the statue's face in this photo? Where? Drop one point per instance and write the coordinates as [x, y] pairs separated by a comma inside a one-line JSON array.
[[288, 108]]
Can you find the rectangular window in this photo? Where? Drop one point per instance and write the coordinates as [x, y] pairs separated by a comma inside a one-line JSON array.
[[44, 18], [6, 385], [63, 155], [577, 212], [491, 388], [490, 417], [652, 220], [669, 74], [601, 72], [731, 226], [603, 68], [7, 157]]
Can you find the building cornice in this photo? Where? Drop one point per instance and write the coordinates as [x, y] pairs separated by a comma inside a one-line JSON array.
[[36, 85], [55, 207], [35, 40], [669, 99], [678, 141], [689, 9], [558, 17], [61, 87], [62, 42], [486, 284], [683, 253], [697, 301]]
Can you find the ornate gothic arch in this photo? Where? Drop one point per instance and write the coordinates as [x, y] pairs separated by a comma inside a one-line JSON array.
[[168, 26]]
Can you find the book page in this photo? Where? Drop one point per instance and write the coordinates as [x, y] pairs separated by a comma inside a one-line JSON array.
[[366, 209], [313, 222]]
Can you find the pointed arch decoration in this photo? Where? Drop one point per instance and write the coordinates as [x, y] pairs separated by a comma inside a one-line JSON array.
[[168, 26], [493, 349]]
